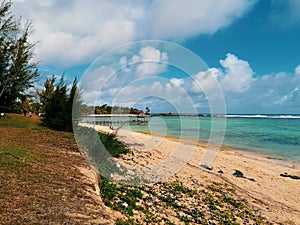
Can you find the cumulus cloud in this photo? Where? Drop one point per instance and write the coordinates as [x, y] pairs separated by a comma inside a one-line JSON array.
[[177, 82], [188, 17], [206, 81], [151, 61], [156, 90], [69, 32], [235, 76], [72, 32], [238, 74], [271, 93]]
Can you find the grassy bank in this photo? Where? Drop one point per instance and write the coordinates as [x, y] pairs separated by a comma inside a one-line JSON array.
[[39, 178], [40, 183]]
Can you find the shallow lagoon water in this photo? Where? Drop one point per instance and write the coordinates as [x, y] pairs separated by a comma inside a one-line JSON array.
[[275, 136]]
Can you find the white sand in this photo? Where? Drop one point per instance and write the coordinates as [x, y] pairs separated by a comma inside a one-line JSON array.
[[160, 159]]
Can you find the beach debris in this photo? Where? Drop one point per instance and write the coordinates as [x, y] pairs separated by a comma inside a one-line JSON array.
[[240, 174], [294, 177], [206, 167], [130, 173]]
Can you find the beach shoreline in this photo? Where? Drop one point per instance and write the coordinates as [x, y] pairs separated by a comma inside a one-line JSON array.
[[255, 154], [263, 183]]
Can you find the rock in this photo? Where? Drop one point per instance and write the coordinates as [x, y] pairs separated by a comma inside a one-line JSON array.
[[130, 172], [294, 177], [206, 167], [181, 213], [221, 172], [238, 173]]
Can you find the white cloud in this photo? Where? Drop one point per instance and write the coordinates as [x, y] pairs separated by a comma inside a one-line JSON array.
[[284, 99], [297, 70], [271, 93], [206, 81], [150, 54], [151, 61], [72, 32], [184, 18], [286, 13], [123, 61], [238, 74], [177, 82]]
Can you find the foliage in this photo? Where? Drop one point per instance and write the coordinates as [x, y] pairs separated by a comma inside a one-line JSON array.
[[212, 204], [25, 106], [17, 69], [106, 109], [114, 147], [57, 104]]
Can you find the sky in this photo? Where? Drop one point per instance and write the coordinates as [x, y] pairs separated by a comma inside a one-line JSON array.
[[248, 52]]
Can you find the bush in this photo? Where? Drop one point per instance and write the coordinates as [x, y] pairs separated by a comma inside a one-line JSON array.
[[57, 104]]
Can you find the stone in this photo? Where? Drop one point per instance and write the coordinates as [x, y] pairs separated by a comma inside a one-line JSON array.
[[238, 173]]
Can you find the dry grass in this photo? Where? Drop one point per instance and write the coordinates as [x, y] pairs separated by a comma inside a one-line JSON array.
[[39, 178]]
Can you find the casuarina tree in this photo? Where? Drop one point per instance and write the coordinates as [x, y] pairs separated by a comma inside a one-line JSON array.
[[18, 72]]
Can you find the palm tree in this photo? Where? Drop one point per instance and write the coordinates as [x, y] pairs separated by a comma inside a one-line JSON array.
[[147, 111]]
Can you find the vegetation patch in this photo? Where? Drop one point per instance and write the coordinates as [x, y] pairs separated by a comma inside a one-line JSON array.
[[14, 122], [12, 156], [151, 204], [114, 147], [172, 202]]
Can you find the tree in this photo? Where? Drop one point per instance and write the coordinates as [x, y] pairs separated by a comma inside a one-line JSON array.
[[25, 106], [58, 104], [17, 69], [47, 93], [147, 111]]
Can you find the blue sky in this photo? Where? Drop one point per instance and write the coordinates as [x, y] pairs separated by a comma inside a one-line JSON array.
[[250, 47]]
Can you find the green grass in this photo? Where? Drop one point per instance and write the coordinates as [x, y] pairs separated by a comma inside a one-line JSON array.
[[13, 156], [213, 204], [114, 147], [15, 121]]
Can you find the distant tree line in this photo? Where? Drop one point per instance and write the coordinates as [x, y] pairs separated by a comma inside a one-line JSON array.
[[107, 109]]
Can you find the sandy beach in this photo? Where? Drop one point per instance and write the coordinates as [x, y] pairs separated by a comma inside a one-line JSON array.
[[276, 197]]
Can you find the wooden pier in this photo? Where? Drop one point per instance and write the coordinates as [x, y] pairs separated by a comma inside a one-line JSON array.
[[114, 120], [118, 122]]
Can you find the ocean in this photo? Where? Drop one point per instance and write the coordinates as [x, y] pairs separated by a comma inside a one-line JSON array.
[[274, 136]]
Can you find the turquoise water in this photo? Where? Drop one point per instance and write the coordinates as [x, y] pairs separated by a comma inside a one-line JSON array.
[[274, 136]]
